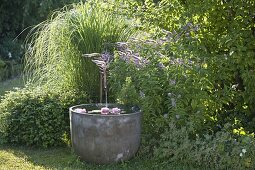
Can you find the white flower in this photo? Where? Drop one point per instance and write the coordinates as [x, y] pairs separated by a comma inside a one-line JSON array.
[[173, 102], [29, 48], [225, 56], [142, 94], [10, 55], [234, 86], [165, 115], [172, 82], [241, 154], [244, 150], [177, 116]]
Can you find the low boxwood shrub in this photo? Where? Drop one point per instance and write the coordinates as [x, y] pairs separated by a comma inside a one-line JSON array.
[[37, 116]]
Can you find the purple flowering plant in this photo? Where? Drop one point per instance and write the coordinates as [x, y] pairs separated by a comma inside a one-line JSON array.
[[148, 70], [163, 82]]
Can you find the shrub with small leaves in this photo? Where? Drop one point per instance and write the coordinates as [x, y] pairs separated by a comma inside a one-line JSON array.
[[219, 37], [128, 93], [37, 116], [221, 150]]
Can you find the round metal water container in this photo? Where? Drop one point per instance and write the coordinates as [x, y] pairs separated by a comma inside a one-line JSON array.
[[105, 139]]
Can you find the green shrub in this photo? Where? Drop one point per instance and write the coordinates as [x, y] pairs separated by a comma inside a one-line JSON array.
[[18, 16], [207, 54], [37, 116], [128, 94], [222, 150], [198, 78], [15, 22], [172, 88], [139, 79]]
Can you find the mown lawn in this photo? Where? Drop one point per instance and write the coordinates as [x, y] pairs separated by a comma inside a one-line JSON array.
[[62, 158], [25, 158], [10, 84]]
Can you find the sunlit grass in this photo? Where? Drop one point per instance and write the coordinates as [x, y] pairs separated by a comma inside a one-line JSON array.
[[23, 158]]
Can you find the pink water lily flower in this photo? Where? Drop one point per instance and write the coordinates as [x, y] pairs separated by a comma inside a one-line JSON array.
[[79, 110], [115, 111], [105, 110]]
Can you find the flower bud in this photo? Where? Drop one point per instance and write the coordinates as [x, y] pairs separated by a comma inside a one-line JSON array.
[[115, 111], [105, 110]]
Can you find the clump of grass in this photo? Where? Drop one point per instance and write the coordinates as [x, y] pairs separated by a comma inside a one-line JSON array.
[[55, 47]]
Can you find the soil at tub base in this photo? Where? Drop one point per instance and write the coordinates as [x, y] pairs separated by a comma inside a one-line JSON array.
[[105, 139]]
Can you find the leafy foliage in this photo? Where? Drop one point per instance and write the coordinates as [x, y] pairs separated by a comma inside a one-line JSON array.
[[136, 78], [16, 20], [37, 116], [128, 94], [192, 74], [200, 65], [222, 150], [10, 58], [19, 15]]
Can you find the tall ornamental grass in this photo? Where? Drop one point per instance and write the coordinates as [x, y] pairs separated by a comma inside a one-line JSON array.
[[55, 47]]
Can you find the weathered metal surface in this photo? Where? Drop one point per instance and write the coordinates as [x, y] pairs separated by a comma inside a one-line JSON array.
[[105, 139]]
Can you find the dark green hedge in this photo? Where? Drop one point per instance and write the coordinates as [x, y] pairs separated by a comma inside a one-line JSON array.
[[15, 16], [9, 69], [37, 117]]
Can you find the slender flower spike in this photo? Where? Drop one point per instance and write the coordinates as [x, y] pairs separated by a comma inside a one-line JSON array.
[[129, 56], [177, 116], [234, 86], [106, 57], [161, 65], [105, 111], [241, 154], [122, 46], [173, 102], [165, 115], [142, 94], [172, 82], [10, 55], [115, 111]]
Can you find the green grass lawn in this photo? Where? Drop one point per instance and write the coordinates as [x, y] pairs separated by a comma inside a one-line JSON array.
[[10, 84], [26, 158]]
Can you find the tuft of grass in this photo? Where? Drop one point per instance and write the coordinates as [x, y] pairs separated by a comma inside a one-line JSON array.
[[55, 47]]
